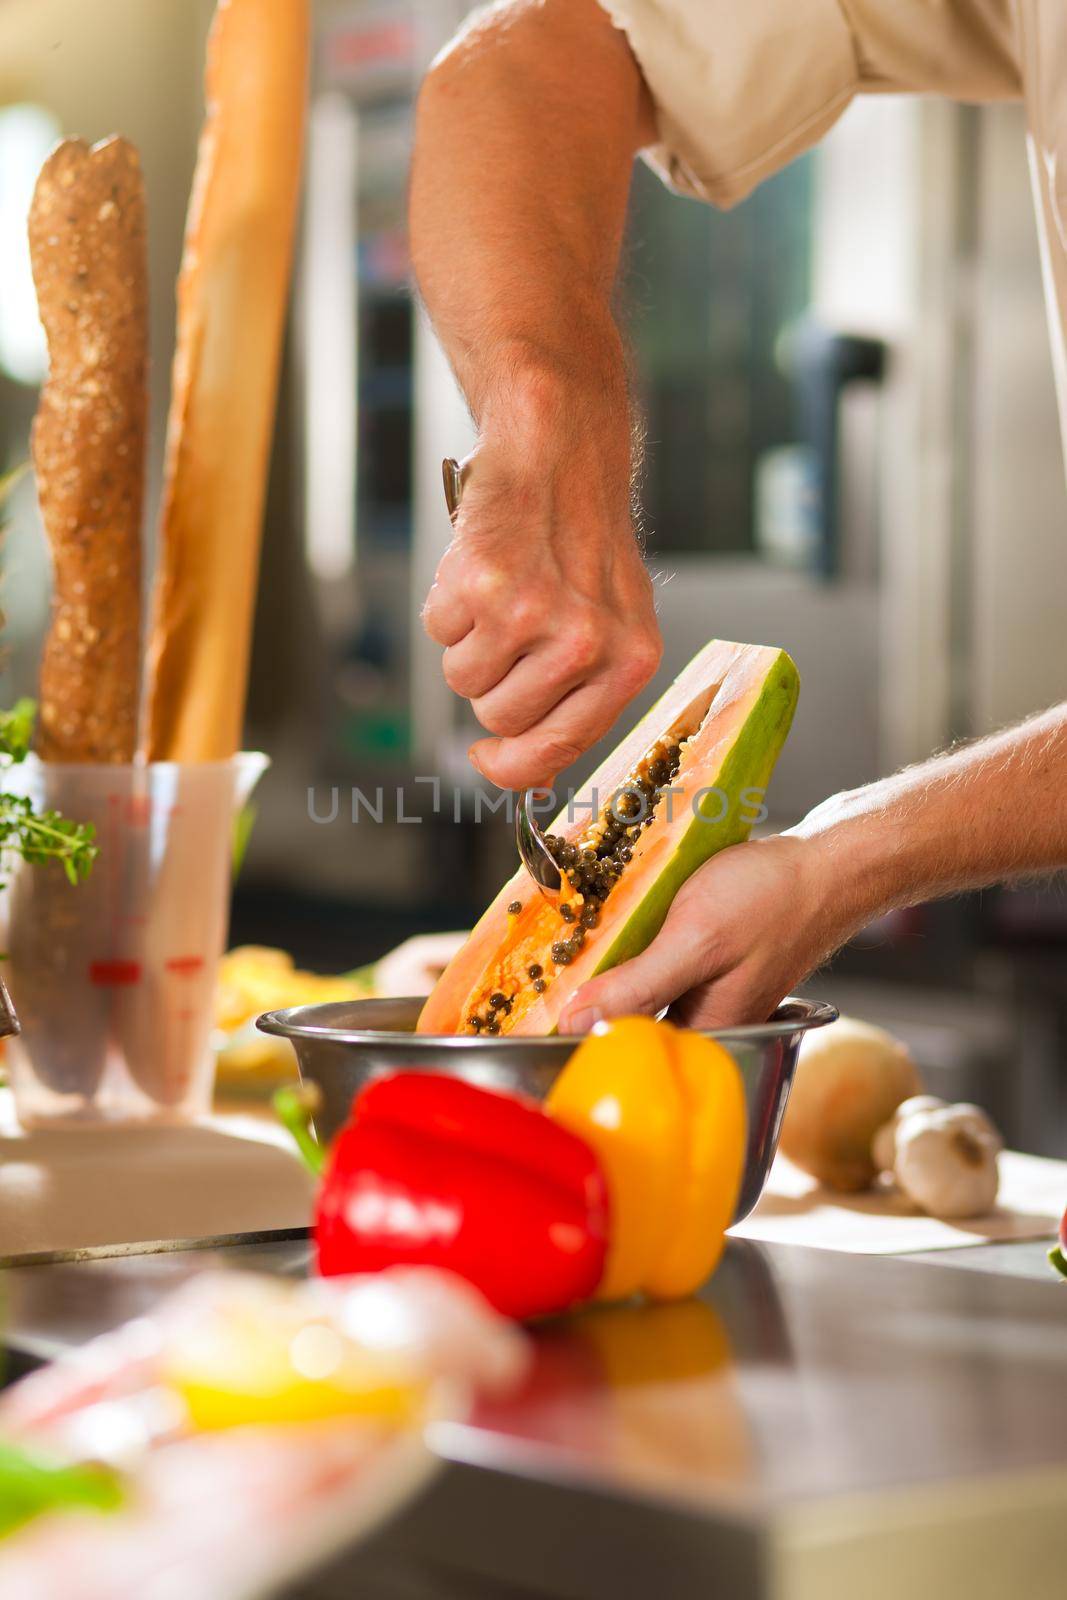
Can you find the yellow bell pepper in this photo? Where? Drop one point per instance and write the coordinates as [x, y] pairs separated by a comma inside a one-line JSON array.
[[716, 1127], [619, 1092], [665, 1112]]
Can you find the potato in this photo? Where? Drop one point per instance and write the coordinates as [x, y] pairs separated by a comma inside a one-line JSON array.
[[849, 1081]]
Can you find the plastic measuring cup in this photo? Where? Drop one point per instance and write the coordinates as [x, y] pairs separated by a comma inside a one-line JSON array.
[[114, 979]]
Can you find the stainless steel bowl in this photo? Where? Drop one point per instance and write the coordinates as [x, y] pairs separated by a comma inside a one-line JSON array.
[[342, 1046]]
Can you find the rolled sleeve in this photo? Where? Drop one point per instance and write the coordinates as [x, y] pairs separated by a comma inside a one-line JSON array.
[[1043, 41], [739, 90]]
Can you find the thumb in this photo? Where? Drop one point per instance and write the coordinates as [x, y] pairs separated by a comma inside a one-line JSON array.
[[671, 966]]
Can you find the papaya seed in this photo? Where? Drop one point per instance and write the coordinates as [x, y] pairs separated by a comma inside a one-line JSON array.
[[592, 865]]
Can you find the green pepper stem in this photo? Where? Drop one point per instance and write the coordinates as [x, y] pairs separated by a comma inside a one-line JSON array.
[[294, 1108], [1058, 1260]]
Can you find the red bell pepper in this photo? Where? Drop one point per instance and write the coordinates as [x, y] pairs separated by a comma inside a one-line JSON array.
[[433, 1171], [1058, 1254]]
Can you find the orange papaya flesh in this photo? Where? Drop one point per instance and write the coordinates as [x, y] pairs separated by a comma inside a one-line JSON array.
[[726, 716]]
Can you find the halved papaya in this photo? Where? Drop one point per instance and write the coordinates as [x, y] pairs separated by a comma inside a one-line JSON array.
[[688, 781]]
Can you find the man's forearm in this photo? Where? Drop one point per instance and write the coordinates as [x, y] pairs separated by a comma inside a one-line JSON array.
[[988, 811], [526, 132], [758, 919], [525, 138]]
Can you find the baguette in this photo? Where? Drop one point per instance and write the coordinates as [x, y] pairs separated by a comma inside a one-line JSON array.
[[89, 257], [232, 294]]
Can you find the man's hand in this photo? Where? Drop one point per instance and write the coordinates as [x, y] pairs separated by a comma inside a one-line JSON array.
[[543, 603], [758, 918], [742, 932]]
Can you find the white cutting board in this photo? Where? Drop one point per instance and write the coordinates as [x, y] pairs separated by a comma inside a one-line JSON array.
[[86, 1188], [794, 1209], [81, 1189]]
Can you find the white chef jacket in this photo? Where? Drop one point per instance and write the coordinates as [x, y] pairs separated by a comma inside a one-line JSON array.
[[741, 87]]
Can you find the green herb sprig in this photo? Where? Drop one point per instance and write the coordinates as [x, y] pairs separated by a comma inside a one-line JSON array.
[[16, 730], [35, 836]]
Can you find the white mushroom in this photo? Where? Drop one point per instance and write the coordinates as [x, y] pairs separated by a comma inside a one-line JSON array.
[[945, 1160]]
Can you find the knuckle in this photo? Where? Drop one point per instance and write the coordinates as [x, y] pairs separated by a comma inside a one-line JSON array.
[[506, 722], [455, 675], [558, 752], [486, 582], [511, 769], [494, 766], [527, 614], [445, 576], [640, 660], [652, 646], [581, 645], [431, 619]]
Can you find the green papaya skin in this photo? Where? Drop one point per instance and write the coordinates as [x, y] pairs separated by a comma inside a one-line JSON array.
[[748, 768]]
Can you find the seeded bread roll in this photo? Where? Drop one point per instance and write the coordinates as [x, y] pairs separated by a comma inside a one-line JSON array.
[[232, 296], [88, 250]]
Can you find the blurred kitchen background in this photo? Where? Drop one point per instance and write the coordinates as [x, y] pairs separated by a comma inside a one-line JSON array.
[[852, 452]]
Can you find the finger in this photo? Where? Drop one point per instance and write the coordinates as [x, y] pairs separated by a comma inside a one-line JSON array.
[[532, 690], [446, 618], [682, 956], [447, 613], [539, 755], [479, 662], [736, 998]]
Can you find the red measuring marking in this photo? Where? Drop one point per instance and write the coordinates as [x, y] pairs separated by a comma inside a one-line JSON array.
[[138, 811], [186, 966], [111, 974]]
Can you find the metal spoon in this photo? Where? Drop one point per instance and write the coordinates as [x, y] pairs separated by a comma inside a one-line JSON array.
[[533, 851], [536, 856]]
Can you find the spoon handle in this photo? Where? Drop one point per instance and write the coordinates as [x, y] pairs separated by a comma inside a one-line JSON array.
[[452, 473]]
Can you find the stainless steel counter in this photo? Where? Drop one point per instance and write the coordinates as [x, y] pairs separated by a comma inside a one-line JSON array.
[[814, 1425]]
